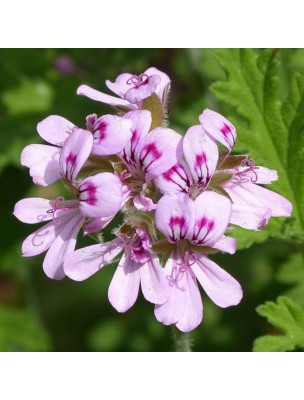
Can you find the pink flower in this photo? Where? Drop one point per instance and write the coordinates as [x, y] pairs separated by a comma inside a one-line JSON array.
[[251, 201], [110, 136], [98, 196], [131, 89], [252, 205], [138, 266], [192, 227]]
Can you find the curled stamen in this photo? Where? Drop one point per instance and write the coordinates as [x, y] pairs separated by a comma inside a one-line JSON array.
[[251, 168], [189, 260], [137, 79], [59, 204]]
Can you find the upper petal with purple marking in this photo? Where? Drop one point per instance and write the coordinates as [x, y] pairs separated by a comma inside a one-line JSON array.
[[218, 128], [100, 195], [212, 216], [141, 123], [75, 153], [175, 216], [177, 179], [202, 154], [111, 134], [158, 152]]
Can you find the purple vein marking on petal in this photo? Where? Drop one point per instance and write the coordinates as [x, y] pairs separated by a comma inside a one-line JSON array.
[[130, 158], [87, 193], [149, 149], [200, 224], [226, 131], [179, 222], [70, 165], [200, 161], [178, 170], [100, 131]]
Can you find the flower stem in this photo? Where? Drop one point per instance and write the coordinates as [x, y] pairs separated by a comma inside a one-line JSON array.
[[182, 341]]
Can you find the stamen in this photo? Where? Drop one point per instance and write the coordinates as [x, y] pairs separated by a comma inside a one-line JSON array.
[[137, 79], [58, 204], [251, 168], [189, 260]]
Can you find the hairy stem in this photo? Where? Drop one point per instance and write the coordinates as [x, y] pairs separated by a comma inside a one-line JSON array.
[[182, 341]]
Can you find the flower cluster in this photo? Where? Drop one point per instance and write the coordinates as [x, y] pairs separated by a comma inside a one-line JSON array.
[[178, 196]]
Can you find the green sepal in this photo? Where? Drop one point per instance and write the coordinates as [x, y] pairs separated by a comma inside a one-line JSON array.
[[203, 249], [221, 177], [162, 246], [234, 161], [154, 105], [219, 190]]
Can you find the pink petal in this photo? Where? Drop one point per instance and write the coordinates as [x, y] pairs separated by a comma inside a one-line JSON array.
[[159, 151], [173, 310], [266, 175], [93, 94], [212, 216], [111, 135], [100, 195], [141, 123], [193, 313], [143, 90], [218, 127], [85, 262], [164, 81], [174, 216], [33, 210], [154, 284], [75, 153], [175, 180], [55, 129], [124, 287], [43, 162], [255, 195], [221, 287], [41, 240], [63, 245], [227, 244], [250, 217], [201, 154], [120, 86]]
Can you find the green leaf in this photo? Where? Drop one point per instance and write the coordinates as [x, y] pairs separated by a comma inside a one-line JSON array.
[[31, 96], [291, 273], [288, 317], [20, 331], [271, 132]]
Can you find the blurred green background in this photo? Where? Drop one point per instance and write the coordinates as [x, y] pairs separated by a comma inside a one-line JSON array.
[[38, 314]]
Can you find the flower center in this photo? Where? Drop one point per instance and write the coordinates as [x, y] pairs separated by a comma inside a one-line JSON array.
[[138, 246]]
